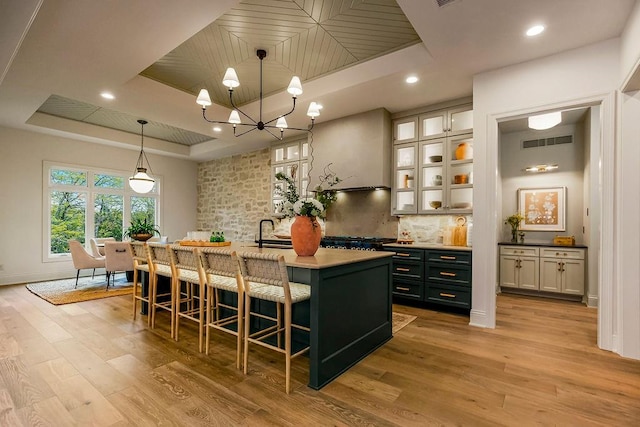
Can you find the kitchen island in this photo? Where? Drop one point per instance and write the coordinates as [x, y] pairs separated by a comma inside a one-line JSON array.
[[349, 313]]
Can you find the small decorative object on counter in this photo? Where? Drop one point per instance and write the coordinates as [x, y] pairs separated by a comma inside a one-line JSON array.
[[564, 240], [514, 221], [521, 234], [217, 236]]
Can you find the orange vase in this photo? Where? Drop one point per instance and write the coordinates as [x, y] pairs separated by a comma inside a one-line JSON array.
[[305, 235], [464, 151]]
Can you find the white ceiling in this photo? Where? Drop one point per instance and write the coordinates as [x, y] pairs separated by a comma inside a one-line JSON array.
[[75, 49]]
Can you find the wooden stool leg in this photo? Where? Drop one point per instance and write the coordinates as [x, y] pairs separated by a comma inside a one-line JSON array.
[[247, 330], [135, 292], [210, 293], [241, 329], [287, 345]]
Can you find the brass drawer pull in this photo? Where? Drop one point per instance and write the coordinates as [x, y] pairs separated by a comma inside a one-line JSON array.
[[402, 269], [402, 254], [442, 294], [444, 273], [447, 257], [402, 288]]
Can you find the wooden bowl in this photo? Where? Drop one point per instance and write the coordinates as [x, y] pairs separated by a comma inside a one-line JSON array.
[[435, 204], [460, 179]]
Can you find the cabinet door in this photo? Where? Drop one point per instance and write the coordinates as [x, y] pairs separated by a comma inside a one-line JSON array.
[[550, 275], [461, 120], [432, 170], [405, 177], [405, 130], [508, 271], [528, 273], [573, 277], [433, 125]]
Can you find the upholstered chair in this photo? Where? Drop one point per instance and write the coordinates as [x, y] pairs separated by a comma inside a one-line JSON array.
[[83, 260], [118, 257]]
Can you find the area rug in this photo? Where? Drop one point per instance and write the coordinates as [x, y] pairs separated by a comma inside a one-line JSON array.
[[62, 291], [400, 320]]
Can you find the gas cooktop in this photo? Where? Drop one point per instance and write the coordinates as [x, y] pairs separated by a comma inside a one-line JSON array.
[[356, 242]]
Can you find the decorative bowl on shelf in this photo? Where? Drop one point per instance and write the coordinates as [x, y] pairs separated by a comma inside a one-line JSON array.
[[461, 205], [460, 179], [435, 159], [435, 204]]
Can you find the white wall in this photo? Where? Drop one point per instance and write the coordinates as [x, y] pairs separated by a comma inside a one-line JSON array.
[[569, 157], [21, 214], [629, 46], [577, 77]]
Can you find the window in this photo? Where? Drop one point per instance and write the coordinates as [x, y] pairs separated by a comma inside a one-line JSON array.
[[82, 203]]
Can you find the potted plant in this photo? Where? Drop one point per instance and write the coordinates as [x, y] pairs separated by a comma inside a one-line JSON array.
[[514, 221], [141, 229]]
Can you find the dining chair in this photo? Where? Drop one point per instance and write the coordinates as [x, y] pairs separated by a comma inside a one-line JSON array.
[[97, 245], [190, 300], [141, 265], [160, 266], [220, 270], [118, 257], [83, 259], [265, 278]]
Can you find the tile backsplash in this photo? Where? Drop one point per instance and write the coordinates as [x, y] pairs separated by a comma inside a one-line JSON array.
[[426, 228]]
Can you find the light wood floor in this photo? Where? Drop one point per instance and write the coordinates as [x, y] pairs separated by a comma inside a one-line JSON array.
[[90, 364]]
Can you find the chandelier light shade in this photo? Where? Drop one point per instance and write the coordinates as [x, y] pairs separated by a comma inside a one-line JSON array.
[[231, 81], [545, 121], [141, 182]]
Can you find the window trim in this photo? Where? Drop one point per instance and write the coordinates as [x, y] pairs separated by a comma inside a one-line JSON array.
[[90, 192]]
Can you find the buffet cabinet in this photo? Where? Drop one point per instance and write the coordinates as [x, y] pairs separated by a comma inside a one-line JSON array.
[[438, 276], [433, 162], [548, 269]]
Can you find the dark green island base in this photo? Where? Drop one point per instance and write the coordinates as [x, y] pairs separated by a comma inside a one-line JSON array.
[[350, 309]]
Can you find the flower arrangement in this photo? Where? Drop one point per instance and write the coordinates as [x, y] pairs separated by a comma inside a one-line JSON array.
[[514, 221], [316, 206]]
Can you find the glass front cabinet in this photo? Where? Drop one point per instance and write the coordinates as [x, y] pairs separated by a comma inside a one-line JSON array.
[[435, 174], [292, 159]]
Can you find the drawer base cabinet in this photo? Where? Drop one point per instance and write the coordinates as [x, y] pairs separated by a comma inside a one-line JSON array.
[[548, 269], [433, 275]]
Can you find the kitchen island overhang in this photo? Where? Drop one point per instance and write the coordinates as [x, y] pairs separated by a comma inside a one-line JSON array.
[[350, 308]]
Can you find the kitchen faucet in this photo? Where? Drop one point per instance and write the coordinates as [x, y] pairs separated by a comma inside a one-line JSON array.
[[260, 226]]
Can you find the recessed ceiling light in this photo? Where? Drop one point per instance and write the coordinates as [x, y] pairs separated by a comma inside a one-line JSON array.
[[107, 95], [217, 129], [545, 121], [411, 79], [535, 30]]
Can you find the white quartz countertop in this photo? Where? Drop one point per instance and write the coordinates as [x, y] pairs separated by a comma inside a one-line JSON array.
[[426, 245], [324, 258]]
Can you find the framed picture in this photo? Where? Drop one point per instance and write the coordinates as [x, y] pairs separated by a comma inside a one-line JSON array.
[[543, 208]]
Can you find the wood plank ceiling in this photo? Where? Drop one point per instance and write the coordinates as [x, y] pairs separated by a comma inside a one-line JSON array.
[[307, 38]]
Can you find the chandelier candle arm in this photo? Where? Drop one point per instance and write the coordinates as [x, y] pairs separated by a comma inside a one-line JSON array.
[[231, 81]]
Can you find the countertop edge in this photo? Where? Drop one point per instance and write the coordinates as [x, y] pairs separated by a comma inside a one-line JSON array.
[[545, 245], [426, 245]]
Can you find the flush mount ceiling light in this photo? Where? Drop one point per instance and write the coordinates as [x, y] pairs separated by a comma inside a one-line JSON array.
[[140, 182], [411, 79], [545, 121], [535, 30], [541, 168], [107, 95], [231, 81]]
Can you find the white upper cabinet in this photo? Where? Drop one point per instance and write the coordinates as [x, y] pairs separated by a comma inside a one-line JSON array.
[[442, 123], [405, 130]]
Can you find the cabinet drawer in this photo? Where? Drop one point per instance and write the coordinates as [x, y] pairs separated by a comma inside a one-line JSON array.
[[451, 257], [449, 295], [407, 289], [407, 269], [520, 250], [408, 254], [449, 273], [562, 253]]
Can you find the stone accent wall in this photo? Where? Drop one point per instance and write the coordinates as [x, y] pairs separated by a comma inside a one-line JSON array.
[[234, 194]]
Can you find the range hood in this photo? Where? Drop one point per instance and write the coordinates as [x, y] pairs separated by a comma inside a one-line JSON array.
[[357, 147]]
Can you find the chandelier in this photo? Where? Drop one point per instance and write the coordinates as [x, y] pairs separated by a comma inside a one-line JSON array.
[[231, 81], [140, 182]]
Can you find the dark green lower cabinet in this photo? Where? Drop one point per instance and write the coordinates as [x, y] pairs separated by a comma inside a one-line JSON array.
[[436, 276]]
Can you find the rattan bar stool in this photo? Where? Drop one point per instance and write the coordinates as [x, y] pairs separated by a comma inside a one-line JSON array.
[[265, 277], [221, 272], [160, 260], [141, 265], [190, 302]]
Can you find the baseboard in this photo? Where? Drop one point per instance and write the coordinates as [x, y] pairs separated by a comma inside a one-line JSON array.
[[14, 279], [478, 318], [592, 301]]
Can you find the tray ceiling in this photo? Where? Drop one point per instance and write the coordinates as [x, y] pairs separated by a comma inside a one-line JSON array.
[[307, 38]]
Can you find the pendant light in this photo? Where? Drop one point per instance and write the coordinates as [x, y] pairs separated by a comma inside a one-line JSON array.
[[140, 182]]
